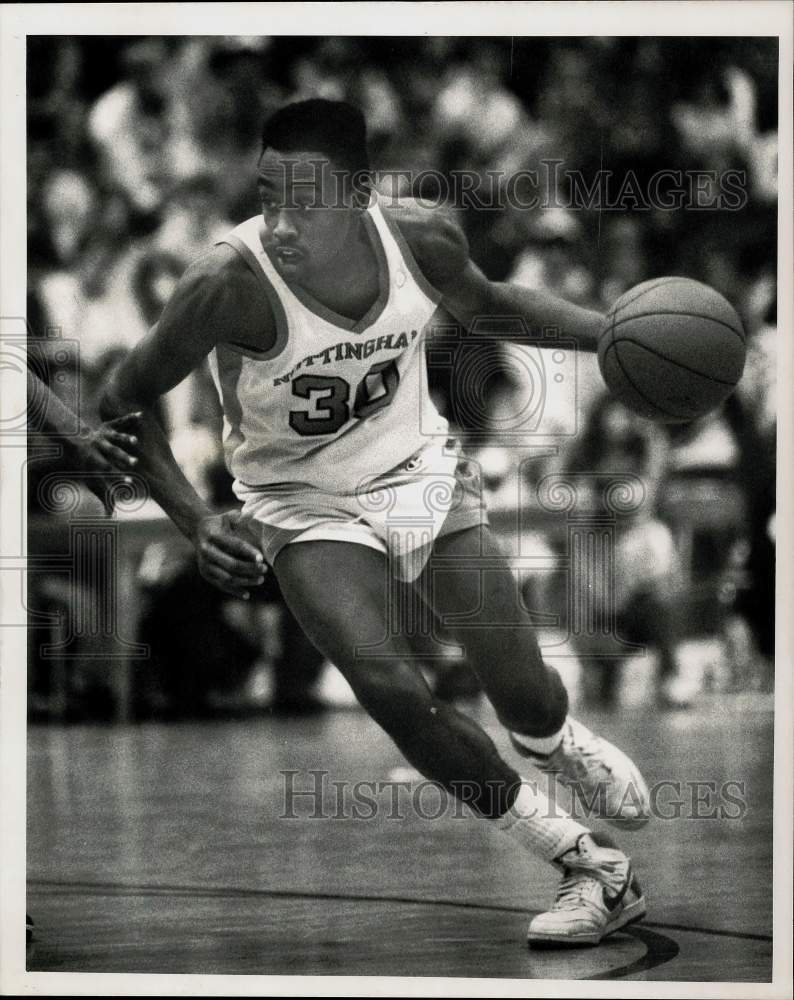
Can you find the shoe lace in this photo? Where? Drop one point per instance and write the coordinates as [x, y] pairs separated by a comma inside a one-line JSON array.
[[575, 892], [587, 756]]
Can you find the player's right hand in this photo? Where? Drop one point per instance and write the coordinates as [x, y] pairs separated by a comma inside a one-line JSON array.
[[225, 558], [104, 453]]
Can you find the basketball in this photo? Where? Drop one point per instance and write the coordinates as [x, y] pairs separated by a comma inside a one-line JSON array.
[[672, 349]]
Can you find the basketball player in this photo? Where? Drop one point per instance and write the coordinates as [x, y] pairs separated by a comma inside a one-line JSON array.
[[312, 316]]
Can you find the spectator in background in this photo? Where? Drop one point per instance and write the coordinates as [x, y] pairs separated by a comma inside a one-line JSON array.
[[751, 413], [200, 658], [88, 294], [646, 573], [235, 90], [129, 126], [639, 135], [625, 258], [476, 109], [192, 219], [551, 258], [574, 106], [69, 206], [328, 71], [716, 123], [721, 494]]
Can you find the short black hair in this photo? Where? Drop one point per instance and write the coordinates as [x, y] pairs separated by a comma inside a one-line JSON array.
[[335, 128]]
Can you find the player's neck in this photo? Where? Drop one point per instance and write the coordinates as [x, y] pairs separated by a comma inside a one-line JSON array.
[[351, 276]]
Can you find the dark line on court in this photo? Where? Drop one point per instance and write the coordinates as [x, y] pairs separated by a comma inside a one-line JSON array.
[[715, 932], [658, 951], [210, 892], [115, 889]]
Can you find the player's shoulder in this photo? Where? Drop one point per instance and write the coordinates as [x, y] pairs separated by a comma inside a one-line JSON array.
[[219, 268], [433, 234], [220, 288]]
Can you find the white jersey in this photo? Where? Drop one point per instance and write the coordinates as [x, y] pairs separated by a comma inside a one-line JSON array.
[[334, 402]]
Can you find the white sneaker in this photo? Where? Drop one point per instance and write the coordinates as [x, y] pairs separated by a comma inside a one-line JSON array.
[[604, 782], [598, 895]]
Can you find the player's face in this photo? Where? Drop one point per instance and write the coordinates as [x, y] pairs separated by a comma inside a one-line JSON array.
[[308, 216]]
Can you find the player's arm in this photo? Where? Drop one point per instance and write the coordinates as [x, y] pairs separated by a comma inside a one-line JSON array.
[[214, 301], [96, 455], [88, 449], [441, 251], [186, 332], [470, 295]]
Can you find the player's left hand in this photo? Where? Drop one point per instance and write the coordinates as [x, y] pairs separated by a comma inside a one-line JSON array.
[[226, 557]]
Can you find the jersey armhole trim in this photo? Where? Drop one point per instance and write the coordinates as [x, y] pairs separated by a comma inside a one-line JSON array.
[[410, 261], [279, 315]]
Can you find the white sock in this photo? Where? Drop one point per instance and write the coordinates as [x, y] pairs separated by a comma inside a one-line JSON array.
[[543, 745], [545, 830]]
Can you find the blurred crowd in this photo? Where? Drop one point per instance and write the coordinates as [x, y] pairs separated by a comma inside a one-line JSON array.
[[141, 152]]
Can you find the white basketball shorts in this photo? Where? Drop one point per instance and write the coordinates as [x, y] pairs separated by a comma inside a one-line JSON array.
[[400, 513]]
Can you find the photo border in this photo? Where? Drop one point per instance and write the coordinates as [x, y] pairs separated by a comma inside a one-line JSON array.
[[688, 19]]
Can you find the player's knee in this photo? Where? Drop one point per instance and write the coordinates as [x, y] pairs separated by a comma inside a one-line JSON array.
[[538, 710]]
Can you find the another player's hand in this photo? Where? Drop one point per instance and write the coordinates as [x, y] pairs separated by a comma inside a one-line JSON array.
[[104, 453], [115, 442], [225, 558]]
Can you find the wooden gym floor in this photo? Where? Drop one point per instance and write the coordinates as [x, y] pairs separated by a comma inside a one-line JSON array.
[[165, 849]]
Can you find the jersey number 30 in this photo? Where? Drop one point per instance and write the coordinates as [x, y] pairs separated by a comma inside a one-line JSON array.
[[330, 395]]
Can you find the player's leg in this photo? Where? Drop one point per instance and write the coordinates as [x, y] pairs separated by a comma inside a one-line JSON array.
[[470, 586], [340, 593]]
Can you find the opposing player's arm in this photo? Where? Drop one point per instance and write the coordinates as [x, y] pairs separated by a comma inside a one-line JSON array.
[[96, 455], [441, 251], [216, 300]]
